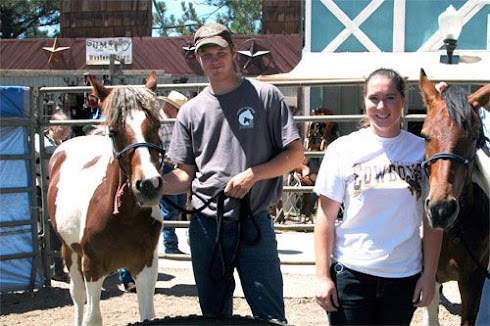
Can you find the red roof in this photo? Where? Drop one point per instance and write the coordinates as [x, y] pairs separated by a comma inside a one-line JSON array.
[[157, 53]]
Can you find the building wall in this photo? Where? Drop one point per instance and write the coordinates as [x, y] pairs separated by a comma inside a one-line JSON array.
[[391, 25], [281, 16], [384, 26], [105, 18]]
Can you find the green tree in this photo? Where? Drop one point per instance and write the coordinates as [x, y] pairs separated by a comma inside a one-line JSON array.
[[190, 22], [167, 26], [241, 16], [22, 18]]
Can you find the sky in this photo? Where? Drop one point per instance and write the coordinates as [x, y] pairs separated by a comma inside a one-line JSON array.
[[174, 7]]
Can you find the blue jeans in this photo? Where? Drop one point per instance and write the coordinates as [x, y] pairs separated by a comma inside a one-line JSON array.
[[125, 276], [169, 213], [257, 264], [371, 300], [483, 317]]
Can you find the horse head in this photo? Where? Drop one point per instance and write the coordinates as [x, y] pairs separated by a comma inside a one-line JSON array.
[[452, 130], [321, 134], [133, 118]]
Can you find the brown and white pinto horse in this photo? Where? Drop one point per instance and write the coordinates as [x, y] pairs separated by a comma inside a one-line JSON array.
[[455, 204], [103, 200]]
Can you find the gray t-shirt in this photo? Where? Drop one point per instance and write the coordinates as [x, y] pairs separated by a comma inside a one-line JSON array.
[[223, 135]]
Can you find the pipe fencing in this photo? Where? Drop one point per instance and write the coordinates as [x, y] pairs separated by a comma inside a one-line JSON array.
[[42, 122]]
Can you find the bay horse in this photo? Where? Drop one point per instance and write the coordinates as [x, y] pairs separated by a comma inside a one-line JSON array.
[[455, 204], [103, 199], [319, 135]]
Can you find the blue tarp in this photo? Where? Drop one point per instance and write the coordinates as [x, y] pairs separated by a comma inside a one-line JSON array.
[[16, 274]]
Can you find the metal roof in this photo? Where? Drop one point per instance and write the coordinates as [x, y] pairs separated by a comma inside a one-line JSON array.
[[155, 53]]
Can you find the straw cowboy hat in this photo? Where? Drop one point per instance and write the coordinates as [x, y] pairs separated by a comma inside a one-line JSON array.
[[175, 98]]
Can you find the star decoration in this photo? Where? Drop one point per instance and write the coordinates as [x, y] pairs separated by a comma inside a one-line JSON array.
[[252, 54], [55, 49], [189, 49]]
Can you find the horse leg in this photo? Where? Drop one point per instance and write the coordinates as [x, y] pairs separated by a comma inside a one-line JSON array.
[[77, 285], [470, 288], [145, 285], [431, 312], [93, 315]]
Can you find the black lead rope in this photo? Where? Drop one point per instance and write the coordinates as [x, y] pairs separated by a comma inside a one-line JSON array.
[[225, 266], [458, 232], [193, 211]]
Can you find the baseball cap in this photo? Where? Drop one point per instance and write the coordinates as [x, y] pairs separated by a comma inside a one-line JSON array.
[[212, 33], [175, 98]]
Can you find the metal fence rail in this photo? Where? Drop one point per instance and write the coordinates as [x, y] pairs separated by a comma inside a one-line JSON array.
[[41, 123]]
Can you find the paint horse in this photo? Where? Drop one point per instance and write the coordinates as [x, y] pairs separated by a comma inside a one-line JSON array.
[[103, 199], [455, 204]]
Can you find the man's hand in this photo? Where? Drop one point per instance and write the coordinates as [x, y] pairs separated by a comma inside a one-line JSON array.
[[240, 184]]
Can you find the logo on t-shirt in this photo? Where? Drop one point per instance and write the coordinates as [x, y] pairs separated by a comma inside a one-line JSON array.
[[394, 175], [246, 117]]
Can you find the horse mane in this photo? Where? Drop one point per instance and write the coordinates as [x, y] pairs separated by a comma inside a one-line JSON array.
[[122, 100], [458, 107]]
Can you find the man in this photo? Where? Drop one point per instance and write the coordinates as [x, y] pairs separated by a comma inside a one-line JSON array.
[[170, 108], [232, 143]]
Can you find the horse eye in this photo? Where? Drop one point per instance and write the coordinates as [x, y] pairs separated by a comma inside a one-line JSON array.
[[113, 133]]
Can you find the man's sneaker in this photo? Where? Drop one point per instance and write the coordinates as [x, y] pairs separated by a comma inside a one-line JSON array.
[[130, 287], [175, 251]]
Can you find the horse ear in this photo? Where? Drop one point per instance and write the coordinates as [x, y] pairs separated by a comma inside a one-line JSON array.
[[428, 89], [151, 81], [99, 90], [480, 97]]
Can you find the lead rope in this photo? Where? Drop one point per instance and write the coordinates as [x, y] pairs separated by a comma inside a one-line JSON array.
[[119, 194], [459, 233]]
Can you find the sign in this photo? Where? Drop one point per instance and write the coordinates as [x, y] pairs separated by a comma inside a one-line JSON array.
[[99, 50]]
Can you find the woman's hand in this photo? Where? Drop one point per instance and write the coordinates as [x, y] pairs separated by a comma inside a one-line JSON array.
[[424, 290], [326, 295]]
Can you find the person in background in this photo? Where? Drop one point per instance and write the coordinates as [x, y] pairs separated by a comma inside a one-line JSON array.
[[232, 143], [170, 108], [373, 268], [53, 136]]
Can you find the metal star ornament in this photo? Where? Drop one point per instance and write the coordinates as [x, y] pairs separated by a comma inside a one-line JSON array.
[[55, 50], [252, 54], [189, 49]]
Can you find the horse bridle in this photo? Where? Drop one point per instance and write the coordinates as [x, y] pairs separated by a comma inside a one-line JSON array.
[[446, 156], [457, 231], [480, 141], [120, 153]]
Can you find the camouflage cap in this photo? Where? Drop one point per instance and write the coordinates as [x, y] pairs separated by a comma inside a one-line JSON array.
[[212, 33]]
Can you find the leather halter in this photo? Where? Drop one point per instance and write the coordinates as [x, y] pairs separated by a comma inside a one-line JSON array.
[[120, 153], [480, 141], [446, 156]]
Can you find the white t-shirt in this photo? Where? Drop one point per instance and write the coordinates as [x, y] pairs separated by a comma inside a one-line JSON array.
[[379, 180]]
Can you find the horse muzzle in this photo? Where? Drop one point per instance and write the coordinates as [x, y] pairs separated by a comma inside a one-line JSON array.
[[148, 191], [442, 214]]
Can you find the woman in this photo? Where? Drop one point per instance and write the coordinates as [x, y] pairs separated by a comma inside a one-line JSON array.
[[370, 266]]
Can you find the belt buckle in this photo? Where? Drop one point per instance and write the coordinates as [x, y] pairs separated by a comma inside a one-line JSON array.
[[338, 268]]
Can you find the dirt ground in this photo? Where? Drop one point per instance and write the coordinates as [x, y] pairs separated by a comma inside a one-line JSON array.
[[176, 296]]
